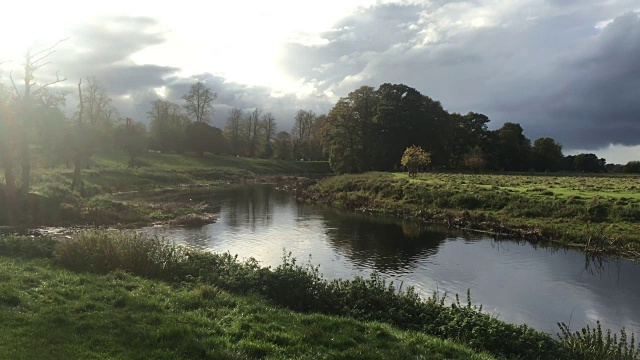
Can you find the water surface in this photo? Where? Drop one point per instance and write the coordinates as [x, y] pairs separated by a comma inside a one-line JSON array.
[[514, 281]]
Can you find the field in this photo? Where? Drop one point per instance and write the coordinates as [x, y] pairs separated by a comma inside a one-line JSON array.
[[596, 213], [107, 175]]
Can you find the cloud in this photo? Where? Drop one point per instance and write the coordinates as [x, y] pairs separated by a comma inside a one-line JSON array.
[[104, 47], [565, 69]]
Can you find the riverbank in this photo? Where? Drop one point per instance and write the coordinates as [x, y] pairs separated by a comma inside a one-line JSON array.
[[105, 198], [47, 312], [110, 294], [599, 215]]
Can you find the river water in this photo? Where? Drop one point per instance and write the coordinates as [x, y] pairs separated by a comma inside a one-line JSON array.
[[516, 282]]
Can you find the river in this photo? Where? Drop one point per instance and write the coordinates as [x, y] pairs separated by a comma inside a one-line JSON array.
[[515, 282]]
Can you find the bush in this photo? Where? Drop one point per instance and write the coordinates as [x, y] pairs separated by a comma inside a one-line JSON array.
[[303, 288], [105, 251], [27, 246]]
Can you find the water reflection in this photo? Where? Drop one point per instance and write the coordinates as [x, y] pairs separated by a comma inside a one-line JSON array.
[[517, 282], [384, 243]]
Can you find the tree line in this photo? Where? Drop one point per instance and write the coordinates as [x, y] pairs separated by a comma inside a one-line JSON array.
[[367, 130], [370, 129]]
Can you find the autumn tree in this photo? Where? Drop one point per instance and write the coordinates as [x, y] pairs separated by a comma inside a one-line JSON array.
[[199, 102], [414, 159]]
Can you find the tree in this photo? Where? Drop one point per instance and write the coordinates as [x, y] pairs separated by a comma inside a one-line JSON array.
[[588, 163], [251, 131], [513, 151], [168, 124], [32, 94], [268, 125], [475, 160], [131, 138], [233, 131], [199, 102], [467, 132], [546, 155], [302, 133], [202, 137], [415, 158], [632, 167], [283, 146]]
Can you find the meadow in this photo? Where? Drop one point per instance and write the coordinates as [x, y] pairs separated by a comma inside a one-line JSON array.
[[108, 175], [597, 213]]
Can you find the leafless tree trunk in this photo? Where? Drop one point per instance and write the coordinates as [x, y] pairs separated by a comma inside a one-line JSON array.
[[33, 62], [77, 156]]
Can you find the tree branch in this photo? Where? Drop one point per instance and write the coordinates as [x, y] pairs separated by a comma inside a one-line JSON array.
[[14, 84], [57, 80], [49, 49]]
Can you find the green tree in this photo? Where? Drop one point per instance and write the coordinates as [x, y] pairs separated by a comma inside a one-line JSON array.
[[546, 155], [202, 137], [414, 159], [130, 137], [475, 160], [168, 124], [405, 117], [632, 167], [588, 163], [513, 151], [283, 146], [467, 132]]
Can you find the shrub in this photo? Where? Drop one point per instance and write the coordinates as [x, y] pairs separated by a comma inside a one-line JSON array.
[[415, 158], [27, 246], [105, 251]]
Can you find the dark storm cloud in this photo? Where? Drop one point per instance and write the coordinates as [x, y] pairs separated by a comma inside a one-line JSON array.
[[547, 67]]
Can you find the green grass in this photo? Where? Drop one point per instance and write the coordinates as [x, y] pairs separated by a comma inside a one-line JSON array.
[[196, 304], [47, 312], [597, 213], [106, 175]]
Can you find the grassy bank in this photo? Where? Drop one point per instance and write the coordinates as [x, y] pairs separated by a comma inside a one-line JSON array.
[[110, 291], [597, 214], [48, 312], [52, 201]]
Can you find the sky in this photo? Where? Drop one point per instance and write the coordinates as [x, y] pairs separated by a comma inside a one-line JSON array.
[[567, 69]]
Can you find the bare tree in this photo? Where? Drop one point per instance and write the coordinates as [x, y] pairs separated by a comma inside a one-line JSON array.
[[302, 132], [252, 131], [268, 125], [33, 61], [77, 151], [233, 130], [96, 104], [199, 102]]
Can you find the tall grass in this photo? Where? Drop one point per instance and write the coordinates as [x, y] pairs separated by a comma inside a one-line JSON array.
[[303, 288]]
